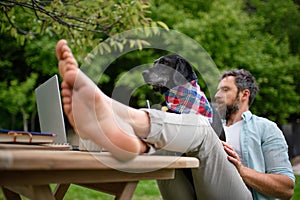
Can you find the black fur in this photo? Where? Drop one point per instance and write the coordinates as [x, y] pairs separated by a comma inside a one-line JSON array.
[[169, 71], [173, 70]]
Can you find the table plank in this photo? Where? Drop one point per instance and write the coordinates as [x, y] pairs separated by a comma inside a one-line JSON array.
[[60, 191], [36, 177], [127, 192], [59, 160]]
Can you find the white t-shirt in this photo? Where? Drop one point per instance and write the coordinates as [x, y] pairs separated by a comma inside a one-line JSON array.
[[232, 134]]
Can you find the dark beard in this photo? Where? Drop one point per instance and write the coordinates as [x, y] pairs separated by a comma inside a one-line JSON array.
[[231, 110], [226, 111]]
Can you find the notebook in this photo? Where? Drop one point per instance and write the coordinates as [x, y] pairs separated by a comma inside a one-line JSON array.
[[26, 137], [50, 111]]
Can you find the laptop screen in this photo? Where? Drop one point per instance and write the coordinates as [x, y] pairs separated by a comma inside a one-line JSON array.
[[50, 109]]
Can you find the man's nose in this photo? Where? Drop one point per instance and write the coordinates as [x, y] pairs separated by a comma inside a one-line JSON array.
[[218, 95]]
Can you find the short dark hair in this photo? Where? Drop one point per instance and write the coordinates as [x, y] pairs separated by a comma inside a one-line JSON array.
[[243, 80]]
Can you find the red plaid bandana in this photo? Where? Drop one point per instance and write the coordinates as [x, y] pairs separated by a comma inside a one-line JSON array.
[[188, 98]]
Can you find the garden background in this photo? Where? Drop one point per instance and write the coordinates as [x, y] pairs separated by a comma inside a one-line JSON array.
[[260, 36]]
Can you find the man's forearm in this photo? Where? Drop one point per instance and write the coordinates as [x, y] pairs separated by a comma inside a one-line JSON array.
[[275, 185]]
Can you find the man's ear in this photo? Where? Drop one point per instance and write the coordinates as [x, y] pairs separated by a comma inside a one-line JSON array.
[[246, 94]]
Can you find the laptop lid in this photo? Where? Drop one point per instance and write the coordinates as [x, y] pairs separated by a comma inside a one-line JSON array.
[[50, 109]]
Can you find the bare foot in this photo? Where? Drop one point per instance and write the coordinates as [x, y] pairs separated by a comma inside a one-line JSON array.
[[91, 112]]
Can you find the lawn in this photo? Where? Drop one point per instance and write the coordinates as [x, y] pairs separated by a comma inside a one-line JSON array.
[[297, 189], [146, 190]]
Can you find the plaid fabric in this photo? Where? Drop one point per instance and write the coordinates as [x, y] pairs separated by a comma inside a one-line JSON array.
[[188, 98]]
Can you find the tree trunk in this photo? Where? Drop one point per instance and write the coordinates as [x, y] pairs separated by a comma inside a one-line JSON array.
[[25, 122]]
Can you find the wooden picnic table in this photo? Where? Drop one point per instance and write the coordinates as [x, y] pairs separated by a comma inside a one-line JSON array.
[[30, 172]]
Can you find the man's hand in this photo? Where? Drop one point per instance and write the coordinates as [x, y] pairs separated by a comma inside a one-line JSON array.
[[274, 185], [233, 156]]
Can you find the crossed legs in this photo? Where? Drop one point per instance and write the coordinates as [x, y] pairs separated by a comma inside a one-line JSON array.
[[97, 117]]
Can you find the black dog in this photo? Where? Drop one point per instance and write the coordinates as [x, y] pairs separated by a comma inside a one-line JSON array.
[[174, 77], [169, 71]]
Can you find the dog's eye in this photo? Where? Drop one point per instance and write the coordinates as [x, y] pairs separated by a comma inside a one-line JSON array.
[[164, 62]]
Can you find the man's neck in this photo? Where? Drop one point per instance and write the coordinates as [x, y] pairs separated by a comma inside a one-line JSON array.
[[236, 117]]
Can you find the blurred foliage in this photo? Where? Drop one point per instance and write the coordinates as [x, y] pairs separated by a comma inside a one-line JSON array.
[[83, 23], [260, 36], [29, 32]]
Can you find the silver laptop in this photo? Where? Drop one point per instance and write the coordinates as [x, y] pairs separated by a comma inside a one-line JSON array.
[[50, 109]]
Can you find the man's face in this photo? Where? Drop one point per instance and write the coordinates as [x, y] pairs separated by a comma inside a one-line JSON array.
[[227, 97]]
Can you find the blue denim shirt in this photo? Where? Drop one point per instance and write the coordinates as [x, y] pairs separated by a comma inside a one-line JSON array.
[[264, 148]]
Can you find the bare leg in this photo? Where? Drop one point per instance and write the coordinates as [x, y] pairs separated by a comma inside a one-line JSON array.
[[97, 117]]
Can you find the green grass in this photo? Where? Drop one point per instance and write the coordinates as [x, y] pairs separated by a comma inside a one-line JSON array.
[[146, 190], [297, 189]]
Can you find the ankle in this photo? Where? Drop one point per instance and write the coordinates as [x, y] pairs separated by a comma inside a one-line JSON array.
[[140, 122]]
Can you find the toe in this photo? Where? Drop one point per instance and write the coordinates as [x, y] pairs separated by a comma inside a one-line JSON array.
[[59, 46]]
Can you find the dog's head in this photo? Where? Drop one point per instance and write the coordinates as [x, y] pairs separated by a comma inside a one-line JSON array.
[[169, 71]]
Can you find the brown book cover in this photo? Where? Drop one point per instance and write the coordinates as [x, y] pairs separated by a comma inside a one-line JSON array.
[[13, 136]]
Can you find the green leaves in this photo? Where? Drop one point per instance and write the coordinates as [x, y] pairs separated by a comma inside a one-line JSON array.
[[256, 36], [19, 98], [38, 25], [260, 36], [83, 23]]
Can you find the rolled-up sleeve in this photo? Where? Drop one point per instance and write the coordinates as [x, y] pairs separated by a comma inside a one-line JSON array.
[[275, 151]]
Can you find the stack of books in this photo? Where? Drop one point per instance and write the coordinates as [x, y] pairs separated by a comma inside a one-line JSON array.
[[14, 136]]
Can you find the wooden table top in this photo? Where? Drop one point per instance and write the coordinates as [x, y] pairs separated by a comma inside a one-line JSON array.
[[11, 160], [31, 171]]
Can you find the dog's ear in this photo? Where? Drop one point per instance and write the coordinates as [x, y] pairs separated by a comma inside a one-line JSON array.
[[183, 72]]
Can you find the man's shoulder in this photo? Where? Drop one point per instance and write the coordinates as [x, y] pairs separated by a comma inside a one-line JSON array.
[[262, 119], [248, 115], [264, 129], [259, 120]]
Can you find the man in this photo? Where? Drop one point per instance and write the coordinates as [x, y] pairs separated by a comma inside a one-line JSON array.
[[127, 132], [254, 145], [259, 149]]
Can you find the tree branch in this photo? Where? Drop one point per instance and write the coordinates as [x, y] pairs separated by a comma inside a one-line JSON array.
[[16, 27], [56, 16]]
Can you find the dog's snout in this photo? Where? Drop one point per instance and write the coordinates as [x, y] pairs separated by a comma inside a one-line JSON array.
[[145, 73]]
